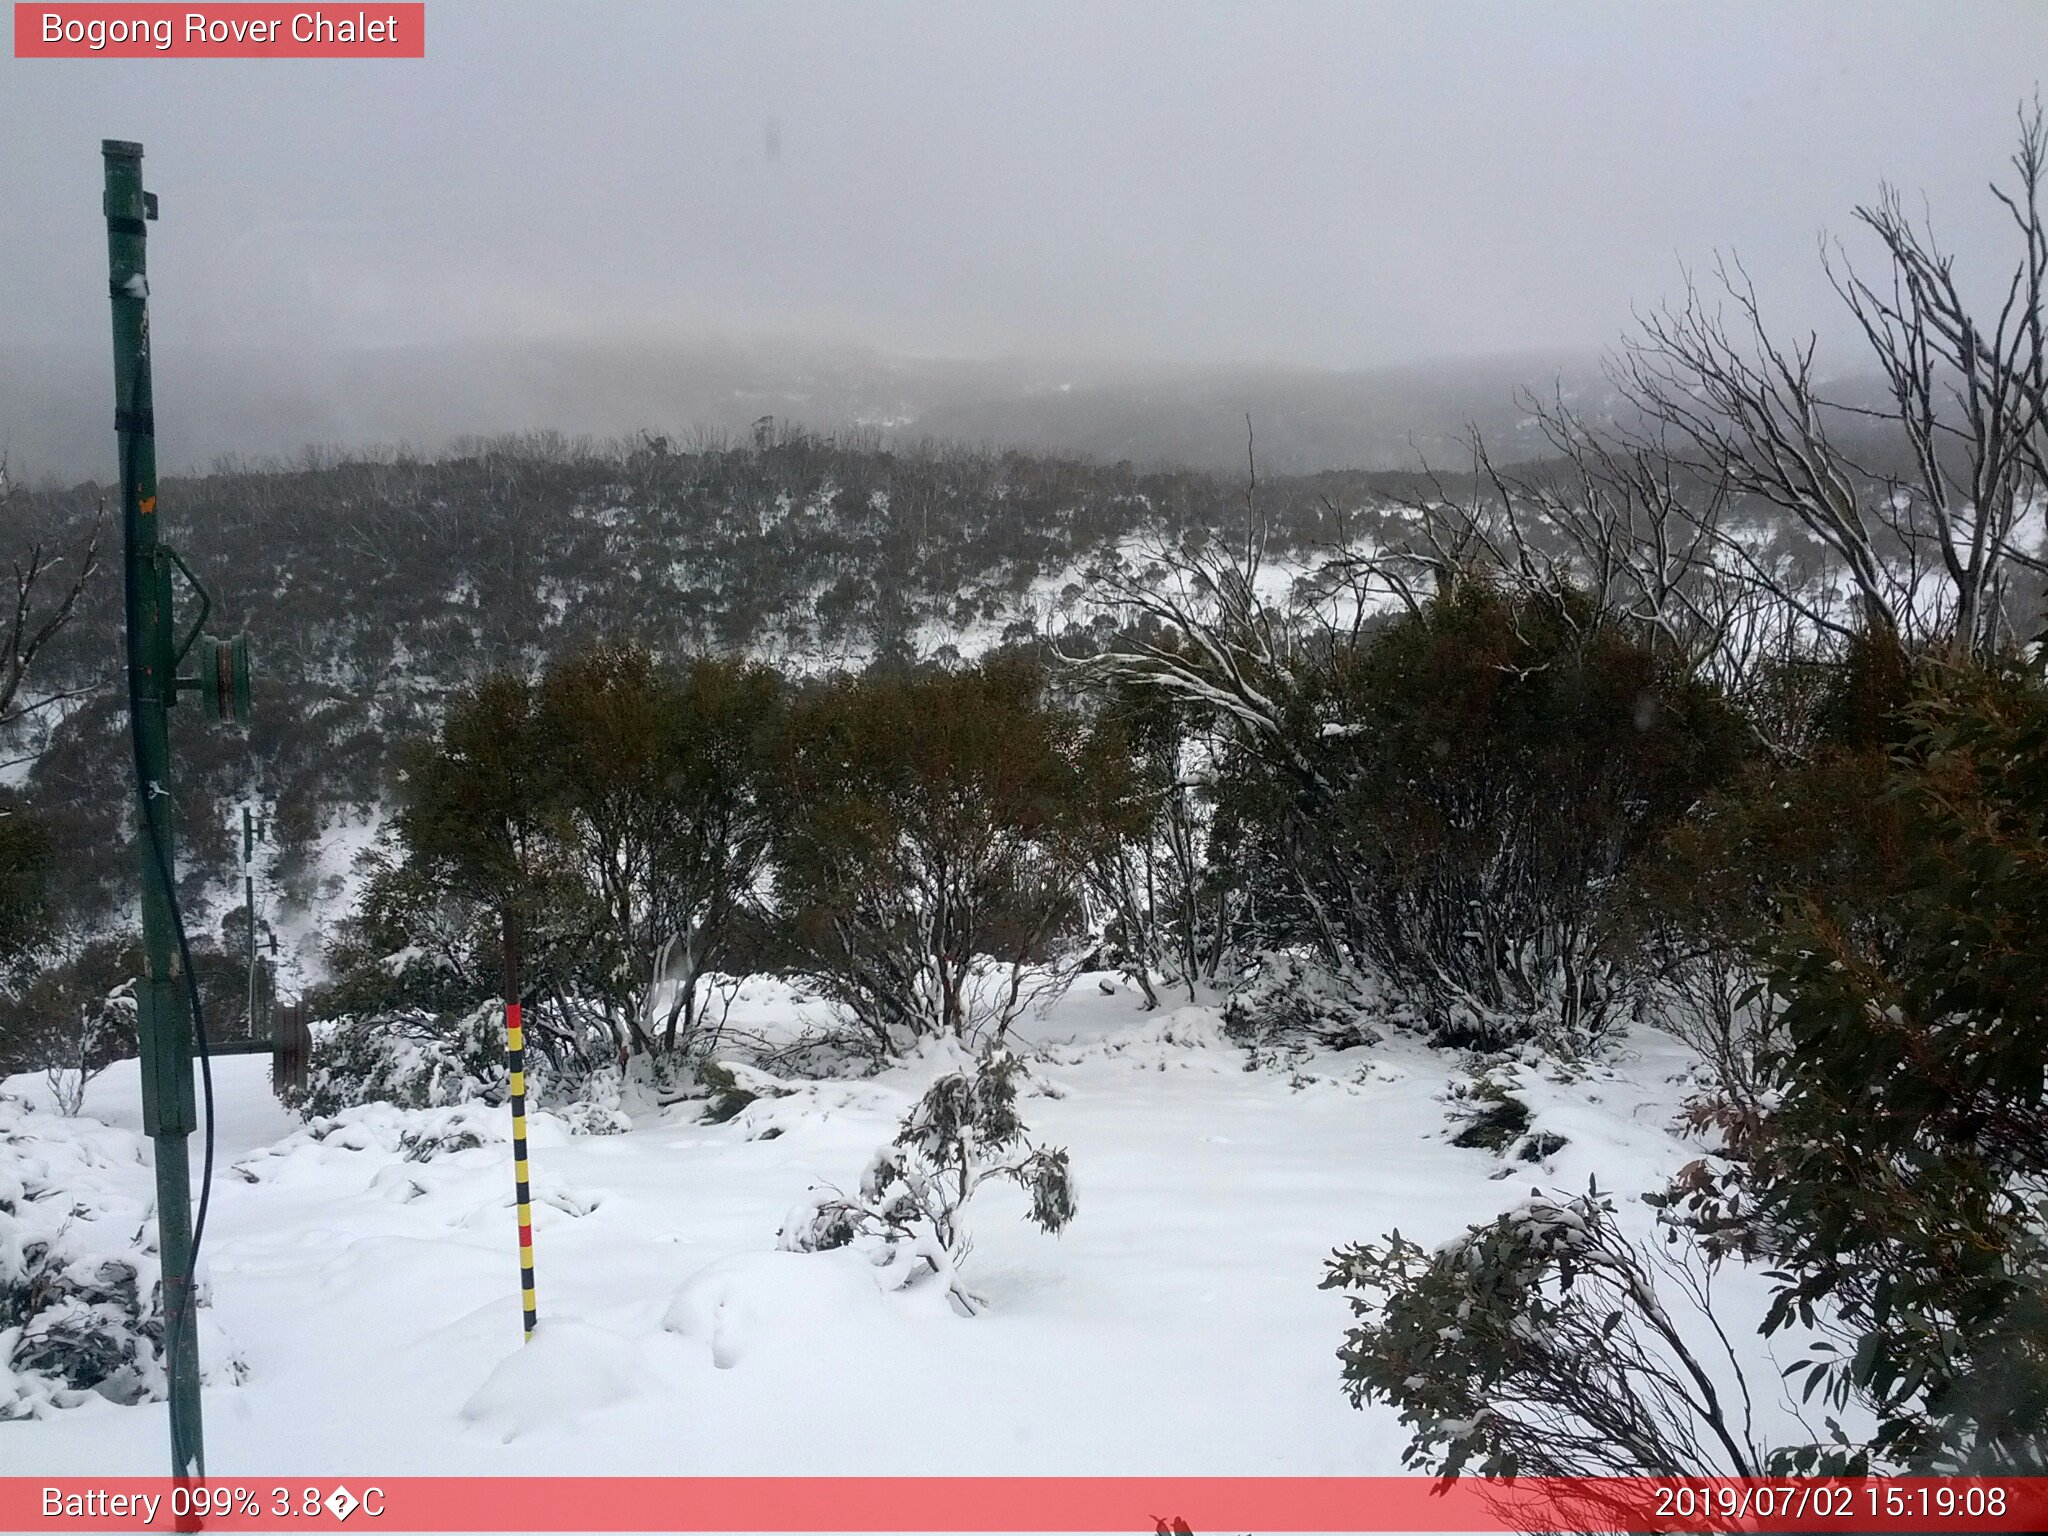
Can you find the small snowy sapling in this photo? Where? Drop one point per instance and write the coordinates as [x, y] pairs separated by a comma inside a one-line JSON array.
[[962, 1133], [81, 1047]]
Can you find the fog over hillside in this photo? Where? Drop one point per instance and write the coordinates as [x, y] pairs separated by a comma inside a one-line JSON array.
[[254, 405], [1105, 230]]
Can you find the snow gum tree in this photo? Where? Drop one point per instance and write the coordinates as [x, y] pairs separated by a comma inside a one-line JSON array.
[[48, 587], [928, 850], [1163, 916], [611, 814], [1506, 762], [27, 858], [473, 820], [1453, 800], [70, 1013], [656, 789]]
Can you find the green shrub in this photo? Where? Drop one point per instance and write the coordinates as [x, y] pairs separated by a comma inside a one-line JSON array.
[[413, 1060], [1898, 1181], [1485, 776]]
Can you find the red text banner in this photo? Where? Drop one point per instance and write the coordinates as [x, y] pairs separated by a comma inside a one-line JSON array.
[[1206, 1506], [240, 31]]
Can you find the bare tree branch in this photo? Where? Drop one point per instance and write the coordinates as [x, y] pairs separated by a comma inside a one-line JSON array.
[[41, 609]]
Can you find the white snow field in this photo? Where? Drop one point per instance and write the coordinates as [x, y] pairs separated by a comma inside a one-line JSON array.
[[1175, 1328]]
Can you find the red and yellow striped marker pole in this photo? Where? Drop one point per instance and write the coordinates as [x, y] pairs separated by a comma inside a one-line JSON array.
[[515, 1050]]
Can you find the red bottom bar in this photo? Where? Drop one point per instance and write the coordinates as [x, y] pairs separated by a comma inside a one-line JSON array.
[[1206, 1506]]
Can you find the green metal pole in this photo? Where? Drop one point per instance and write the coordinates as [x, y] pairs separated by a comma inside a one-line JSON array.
[[163, 1019]]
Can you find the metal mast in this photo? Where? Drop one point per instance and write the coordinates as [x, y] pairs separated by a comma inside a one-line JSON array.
[[163, 1019]]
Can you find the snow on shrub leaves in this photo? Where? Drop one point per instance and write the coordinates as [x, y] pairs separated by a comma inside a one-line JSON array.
[[81, 1307], [414, 1059], [1542, 1344], [411, 1059], [1289, 1001], [964, 1132], [405, 1135]]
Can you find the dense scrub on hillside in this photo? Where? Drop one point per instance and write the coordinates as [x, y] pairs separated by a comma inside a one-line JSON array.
[[374, 587]]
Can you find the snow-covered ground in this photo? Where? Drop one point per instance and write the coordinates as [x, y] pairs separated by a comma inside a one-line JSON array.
[[1175, 1328]]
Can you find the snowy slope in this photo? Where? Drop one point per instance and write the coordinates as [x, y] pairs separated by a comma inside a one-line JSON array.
[[1175, 1328]]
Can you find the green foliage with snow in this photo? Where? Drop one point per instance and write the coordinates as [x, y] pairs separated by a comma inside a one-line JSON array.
[[81, 1305], [1896, 1178], [1540, 1344], [963, 1133], [414, 1060]]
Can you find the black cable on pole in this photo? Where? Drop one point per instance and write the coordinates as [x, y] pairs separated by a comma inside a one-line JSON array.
[[188, 1317]]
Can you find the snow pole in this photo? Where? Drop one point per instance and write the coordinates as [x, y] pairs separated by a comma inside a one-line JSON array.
[[515, 1055]]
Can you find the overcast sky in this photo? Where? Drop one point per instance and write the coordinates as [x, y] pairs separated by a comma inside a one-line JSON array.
[[1326, 184]]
